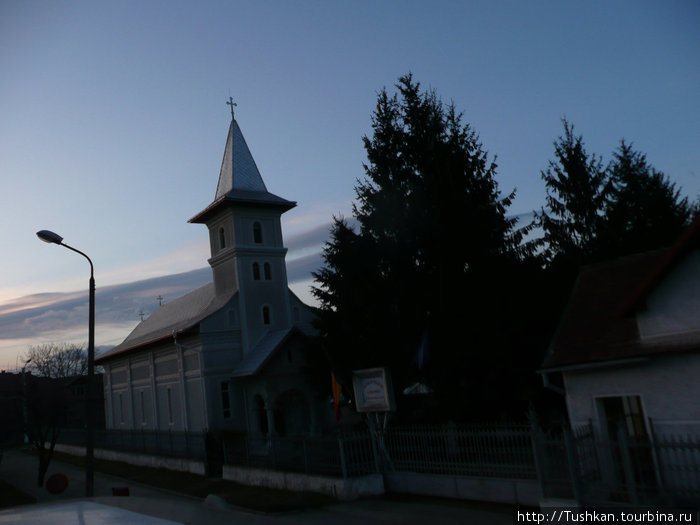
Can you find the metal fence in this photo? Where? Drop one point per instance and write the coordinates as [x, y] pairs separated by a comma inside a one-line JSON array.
[[157, 443], [487, 450], [618, 470], [484, 450], [339, 456], [578, 464]]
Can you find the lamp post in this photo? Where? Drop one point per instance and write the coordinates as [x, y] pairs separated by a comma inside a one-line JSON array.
[[51, 237], [25, 409]]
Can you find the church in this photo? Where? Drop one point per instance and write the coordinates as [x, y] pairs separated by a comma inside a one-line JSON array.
[[236, 353]]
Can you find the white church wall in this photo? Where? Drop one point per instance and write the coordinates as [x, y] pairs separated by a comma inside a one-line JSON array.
[[196, 421]]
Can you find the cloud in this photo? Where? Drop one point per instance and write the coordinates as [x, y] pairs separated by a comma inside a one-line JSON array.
[[63, 316]]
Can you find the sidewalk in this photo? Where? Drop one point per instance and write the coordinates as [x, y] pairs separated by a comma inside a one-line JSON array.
[[19, 470]]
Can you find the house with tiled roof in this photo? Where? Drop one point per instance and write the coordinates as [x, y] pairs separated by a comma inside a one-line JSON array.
[[627, 351], [234, 353]]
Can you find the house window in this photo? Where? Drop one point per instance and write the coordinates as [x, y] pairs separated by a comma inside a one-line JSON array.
[[626, 413], [121, 410], [170, 406], [266, 315], [143, 408], [222, 239], [257, 233], [267, 271], [256, 271], [225, 400]]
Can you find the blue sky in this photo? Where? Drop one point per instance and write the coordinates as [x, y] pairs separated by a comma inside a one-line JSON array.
[[114, 118]]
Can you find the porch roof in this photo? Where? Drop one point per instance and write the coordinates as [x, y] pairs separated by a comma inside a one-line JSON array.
[[262, 352]]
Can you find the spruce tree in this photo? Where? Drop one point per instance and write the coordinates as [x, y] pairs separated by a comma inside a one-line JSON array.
[[578, 189], [431, 257], [645, 210]]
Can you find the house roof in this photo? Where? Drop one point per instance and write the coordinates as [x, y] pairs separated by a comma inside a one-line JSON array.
[[599, 324], [262, 352], [240, 181], [181, 314], [689, 240]]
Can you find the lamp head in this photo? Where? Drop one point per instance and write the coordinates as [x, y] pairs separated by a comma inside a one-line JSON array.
[[49, 236]]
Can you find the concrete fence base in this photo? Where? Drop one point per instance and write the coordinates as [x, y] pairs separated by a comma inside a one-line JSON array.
[[341, 489], [496, 490], [143, 460], [511, 491]]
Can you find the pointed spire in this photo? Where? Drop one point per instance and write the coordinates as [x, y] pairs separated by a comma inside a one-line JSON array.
[[238, 169], [240, 182]]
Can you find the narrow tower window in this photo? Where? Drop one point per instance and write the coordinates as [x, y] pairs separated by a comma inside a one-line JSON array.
[[143, 408], [266, 315], [267, 271], [222, 239], [225, 400], [170, 406], [257, 233], [256, 271]]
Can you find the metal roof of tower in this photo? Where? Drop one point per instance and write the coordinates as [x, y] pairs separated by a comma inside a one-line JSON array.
[[238, 169], [240, 181]]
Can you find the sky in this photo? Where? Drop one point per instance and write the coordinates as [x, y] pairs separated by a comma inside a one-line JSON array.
[[114, 121]]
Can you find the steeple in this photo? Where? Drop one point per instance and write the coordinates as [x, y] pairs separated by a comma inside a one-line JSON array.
[[245, 235], [239, 178], [238, 169]]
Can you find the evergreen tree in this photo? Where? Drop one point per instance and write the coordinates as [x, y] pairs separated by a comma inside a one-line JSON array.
[[431, 258], [645, 209], [578, 189]]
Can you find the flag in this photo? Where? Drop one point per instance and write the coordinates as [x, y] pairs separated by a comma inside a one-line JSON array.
[[421, 358], [337, 390]]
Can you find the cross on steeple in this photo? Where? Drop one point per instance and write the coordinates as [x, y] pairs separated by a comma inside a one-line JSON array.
[[232, 104]]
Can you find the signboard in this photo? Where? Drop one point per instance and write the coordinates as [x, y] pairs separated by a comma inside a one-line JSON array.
[[373, 390]]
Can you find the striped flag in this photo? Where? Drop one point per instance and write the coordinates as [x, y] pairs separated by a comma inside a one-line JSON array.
[[337, 390]]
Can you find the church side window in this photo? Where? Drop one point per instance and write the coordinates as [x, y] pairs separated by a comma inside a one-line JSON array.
[[259, 407], [225, 400], [222, 238], [257, 233], [267, 271], [170, 406], [266, 315], [256, 271], [143, 408]]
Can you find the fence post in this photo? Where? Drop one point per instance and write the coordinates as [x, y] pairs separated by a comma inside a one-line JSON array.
[[534, 443], [341, 449], [627, 468], [306, 459], [375, 453], [574, 471]]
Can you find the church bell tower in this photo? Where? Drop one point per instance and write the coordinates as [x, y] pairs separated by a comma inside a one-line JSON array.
[[245, 236]]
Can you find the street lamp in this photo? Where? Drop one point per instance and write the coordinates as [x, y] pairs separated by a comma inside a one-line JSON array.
[[25, 409], [51, 237]]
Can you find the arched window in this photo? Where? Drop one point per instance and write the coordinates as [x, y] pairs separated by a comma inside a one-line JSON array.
[[256, 271], [266, 315], [259, 408], [222, 239], [267, 271], [257, 233]]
